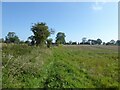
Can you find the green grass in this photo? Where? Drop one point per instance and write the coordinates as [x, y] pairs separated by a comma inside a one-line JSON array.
[[59, 67]]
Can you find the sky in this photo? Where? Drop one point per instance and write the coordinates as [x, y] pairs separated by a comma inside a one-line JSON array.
[[92, 20]]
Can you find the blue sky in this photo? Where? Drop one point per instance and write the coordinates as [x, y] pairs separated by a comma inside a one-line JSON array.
[[77, 20]]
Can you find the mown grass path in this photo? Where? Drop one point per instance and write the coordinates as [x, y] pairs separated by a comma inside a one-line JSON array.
[[65, 71]]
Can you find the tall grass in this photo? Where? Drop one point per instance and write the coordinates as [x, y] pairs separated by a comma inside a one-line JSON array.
[[59, 67], [21, 63]]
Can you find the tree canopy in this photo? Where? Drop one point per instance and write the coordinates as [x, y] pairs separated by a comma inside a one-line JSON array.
[[41, 32], [12, 38], [1, 40], [99, 41], [84, 39], [60, 38]]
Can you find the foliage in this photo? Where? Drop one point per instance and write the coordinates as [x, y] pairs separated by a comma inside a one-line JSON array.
[[99, 41], [60, 38], [70, 42], [21, 42], [41, 32], [27, 42], [118, 42], [112, 42], [1, 40], [32, 38], [12, 38], [59, 67], [49, 42], [104, 43], [74, 43], [84, 40]]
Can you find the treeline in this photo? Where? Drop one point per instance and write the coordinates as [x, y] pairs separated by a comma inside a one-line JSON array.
[[40, 37], [94, 42]]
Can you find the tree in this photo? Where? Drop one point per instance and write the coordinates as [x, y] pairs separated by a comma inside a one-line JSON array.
[[21, 42], [94, 42], [99, 41], [108, 43], [84, 40], [60, 38], [104, 43], [1, 40], [12, 38], [118, 42], [49, 42], [70, 42], [41, 33], [74, 43], [32, 38], [27, 42], [89, 41], [112, 42]]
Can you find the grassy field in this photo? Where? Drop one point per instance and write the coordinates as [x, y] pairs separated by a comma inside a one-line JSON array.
[[59, 67]]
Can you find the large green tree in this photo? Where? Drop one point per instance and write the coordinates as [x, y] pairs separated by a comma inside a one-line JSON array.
[[60, 38], [41, 33], [12, 38]]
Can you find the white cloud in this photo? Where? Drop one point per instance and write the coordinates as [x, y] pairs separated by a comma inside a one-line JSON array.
[[98, 6]]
